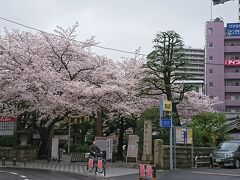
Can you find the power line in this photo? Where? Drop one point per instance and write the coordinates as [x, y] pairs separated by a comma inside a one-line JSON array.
[[36, 29]]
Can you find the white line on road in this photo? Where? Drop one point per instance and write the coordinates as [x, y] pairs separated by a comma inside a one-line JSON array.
[[216, 174], [13, 173], [22, 176]]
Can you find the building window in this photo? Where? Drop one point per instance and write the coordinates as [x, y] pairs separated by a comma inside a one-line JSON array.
[[210, 30], [210, 71], [210, 84], [210, 44], [210, 58]]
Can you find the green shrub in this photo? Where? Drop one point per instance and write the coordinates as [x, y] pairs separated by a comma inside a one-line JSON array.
[[8, 141], [79, 148]]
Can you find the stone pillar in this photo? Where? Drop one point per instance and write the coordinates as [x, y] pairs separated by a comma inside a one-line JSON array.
[[158, 153], [147, 141]]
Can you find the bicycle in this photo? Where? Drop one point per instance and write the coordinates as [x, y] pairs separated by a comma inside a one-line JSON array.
[[96, 163]]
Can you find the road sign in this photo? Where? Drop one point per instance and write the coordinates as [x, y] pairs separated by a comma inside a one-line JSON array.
[[166, 122]]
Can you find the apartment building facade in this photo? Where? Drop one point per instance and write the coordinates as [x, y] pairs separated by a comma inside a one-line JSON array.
[[195, 69], [223, 63]]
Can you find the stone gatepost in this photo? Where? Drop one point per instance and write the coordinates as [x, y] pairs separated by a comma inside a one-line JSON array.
[[147, 141], [158, 153]]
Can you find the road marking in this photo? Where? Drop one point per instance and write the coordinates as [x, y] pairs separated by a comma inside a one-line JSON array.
[[216, 174], [22, 176], [13, 173]]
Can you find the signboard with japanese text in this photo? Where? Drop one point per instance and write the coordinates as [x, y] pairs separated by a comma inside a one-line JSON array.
[[167, 106], [183, 135], [132, 150], [233, 29], [54, 154], [7, 126], [231, 62], [109, 149], [105, 144], [189, 136], [166, 114]]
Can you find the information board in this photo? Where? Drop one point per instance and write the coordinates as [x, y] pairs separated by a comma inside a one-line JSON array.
[[183, 135], [7, 126], [105, 144], [132, 150], [54, 154]]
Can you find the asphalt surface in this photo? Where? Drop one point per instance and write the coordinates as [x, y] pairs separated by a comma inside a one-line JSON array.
[[186, 174], [35, 174], [192, 174]]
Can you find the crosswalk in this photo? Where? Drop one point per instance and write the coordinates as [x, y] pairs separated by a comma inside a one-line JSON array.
[[59, 167]]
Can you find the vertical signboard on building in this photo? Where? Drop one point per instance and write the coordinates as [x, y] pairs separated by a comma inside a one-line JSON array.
[[7, 126]]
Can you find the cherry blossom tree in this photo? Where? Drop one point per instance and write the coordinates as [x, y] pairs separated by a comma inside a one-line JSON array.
[[195, 103]]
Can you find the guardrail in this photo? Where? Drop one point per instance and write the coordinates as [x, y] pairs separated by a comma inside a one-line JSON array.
[[78, 157], [201, 160], [14, 161]]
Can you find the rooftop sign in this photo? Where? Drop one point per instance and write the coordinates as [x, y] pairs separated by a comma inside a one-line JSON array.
[[233, 29], [231, 62]]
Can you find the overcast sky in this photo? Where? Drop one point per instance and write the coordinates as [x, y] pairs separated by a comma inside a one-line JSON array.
[[119, 24]]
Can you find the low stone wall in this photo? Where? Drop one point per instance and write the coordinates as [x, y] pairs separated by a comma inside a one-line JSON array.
[[20, 154], [184, 155]]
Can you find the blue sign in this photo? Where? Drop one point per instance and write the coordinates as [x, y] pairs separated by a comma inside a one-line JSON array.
[[233, 29], [166, 122]]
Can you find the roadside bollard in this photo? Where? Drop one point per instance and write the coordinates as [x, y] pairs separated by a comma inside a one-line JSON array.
[[154, 173], [3, 161], [14, 161]]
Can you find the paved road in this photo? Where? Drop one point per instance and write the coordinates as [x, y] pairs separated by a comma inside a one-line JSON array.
[[190, 174], [35, 174], [187, 174]]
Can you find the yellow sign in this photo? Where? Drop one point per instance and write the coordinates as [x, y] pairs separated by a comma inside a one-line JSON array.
[[167, 106], [189, 136]]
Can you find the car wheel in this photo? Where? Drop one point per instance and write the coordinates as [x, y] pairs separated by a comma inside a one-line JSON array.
[[237, 163]]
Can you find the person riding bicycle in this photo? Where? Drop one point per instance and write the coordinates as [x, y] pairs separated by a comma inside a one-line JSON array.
[[94, 149]]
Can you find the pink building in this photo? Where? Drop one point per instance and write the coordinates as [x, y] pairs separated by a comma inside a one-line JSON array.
[[223, 63]]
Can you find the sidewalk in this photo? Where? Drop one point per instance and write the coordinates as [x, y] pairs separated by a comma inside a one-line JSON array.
[[112, 170]]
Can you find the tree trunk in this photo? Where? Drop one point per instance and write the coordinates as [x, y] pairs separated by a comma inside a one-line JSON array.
[[175, 115], [98, 123]]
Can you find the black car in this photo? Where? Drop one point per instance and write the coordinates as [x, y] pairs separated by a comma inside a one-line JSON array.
[[226, 154]]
